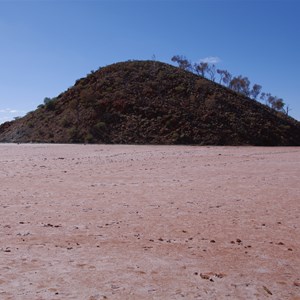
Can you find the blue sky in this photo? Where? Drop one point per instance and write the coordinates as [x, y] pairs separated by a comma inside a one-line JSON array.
[[46, 45]]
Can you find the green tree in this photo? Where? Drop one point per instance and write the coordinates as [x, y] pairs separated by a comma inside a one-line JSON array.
[[273, 101], [49, 103], [211, 70], [201, 68], [182, 62], [225, 77], [241, 85], [255, 91]]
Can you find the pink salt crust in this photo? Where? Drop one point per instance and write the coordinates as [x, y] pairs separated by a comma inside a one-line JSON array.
[[149, 222]]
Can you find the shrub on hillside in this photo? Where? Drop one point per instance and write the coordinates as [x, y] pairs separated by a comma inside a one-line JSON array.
[[49, 103]]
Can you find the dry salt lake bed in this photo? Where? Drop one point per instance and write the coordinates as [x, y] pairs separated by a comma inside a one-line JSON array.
[[149, 222]]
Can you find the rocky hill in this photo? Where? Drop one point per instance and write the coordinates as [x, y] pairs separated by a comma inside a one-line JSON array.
[[149, 102]]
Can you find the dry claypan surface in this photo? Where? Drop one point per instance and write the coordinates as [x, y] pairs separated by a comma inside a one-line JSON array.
[[149, 222]]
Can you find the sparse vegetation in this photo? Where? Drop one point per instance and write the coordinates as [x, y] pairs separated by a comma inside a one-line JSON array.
[[239, 84], [50, 103], [65, 122]]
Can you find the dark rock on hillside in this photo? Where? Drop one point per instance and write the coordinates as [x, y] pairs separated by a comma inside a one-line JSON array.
[[147, 102]]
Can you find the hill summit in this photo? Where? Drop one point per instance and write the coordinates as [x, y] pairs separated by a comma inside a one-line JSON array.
[[149, 102]]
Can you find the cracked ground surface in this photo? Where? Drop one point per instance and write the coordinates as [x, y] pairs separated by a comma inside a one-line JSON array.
[[149, 222]]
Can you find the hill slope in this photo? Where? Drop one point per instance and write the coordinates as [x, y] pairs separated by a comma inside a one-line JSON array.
[[147, 102]]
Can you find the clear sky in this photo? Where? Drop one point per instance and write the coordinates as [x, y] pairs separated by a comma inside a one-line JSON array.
[[45, 46]]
